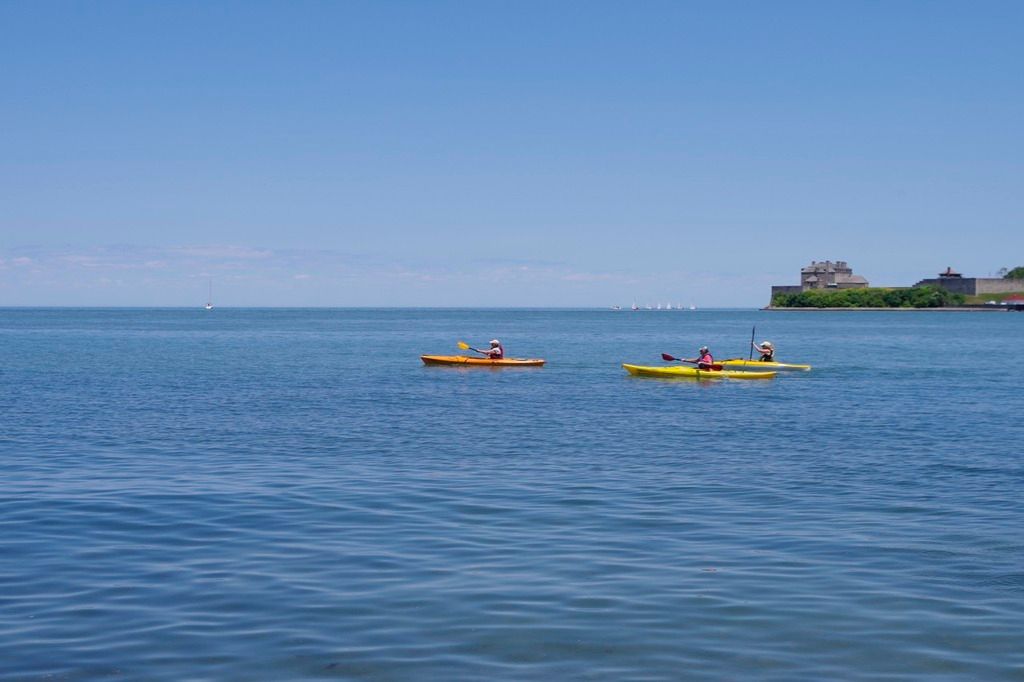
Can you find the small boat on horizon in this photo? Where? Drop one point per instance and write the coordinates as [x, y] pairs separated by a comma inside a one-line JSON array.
[[209, 297]]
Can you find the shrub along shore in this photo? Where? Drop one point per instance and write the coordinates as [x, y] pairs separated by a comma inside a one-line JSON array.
[[871, 297]]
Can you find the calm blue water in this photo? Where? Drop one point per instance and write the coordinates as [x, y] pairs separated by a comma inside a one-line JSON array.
[[290, 494]]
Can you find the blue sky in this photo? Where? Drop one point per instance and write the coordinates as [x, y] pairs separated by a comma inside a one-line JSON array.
[[499, 153]]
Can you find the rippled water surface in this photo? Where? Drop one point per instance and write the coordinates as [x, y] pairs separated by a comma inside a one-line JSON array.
[[289, 494]]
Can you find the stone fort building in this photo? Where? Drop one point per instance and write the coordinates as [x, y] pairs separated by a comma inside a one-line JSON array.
[[839, 275], [824, 275]]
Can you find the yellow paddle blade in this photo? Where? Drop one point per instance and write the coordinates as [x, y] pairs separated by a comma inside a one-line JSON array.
[[463, 345]]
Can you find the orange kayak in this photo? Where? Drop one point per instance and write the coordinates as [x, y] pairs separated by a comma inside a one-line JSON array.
[[480, 362]]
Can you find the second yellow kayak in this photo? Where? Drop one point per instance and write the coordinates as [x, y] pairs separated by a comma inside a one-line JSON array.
[[739, 363], [693, 373]]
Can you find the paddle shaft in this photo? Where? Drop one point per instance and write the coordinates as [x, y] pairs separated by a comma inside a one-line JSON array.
[[751, 354], [714, 368]]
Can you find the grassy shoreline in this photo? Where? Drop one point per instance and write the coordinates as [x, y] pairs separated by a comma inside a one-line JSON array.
[[981, 299]]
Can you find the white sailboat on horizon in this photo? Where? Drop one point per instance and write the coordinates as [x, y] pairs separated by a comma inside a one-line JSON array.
[[209, 297]]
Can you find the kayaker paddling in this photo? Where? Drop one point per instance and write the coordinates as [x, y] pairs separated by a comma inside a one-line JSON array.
[[766, 349], [495, 352], [704, 360]]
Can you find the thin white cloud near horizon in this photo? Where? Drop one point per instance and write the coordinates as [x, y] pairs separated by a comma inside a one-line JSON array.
[[133, 275]]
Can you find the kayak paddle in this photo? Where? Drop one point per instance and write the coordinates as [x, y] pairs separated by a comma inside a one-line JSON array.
[[668, 358], [465, 346], [751, 355]]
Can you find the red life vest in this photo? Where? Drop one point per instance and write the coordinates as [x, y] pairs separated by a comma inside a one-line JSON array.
[[706, 359]]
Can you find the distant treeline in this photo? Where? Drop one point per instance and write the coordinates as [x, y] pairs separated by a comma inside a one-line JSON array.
[[914, 297]]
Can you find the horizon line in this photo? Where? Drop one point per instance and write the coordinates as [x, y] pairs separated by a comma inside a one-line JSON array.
[[361, 307]]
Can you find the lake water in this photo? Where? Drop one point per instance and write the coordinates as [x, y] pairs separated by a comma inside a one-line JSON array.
[[291, 494]]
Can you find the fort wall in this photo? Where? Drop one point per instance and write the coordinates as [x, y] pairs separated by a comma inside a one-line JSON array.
[[786, 289], [975, 286]]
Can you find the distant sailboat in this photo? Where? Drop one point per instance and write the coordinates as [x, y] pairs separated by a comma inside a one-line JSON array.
[[209, 298], [668, 307], [693, 307], [634, 306]]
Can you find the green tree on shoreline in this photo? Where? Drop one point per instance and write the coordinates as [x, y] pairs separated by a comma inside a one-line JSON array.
[[871, 297], [1016, 273]]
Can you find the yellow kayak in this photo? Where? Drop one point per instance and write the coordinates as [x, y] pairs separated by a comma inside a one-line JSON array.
[[463, 360], [693, 373], [739, 363]]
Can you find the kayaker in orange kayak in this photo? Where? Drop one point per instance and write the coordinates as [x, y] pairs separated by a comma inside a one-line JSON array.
[[495, 352], [766, 349], [704, 360]]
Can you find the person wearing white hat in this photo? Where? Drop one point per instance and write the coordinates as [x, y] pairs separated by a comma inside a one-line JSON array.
[[704, 359], [496, 351], [767, 351]]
